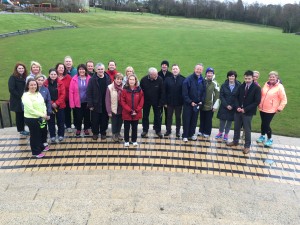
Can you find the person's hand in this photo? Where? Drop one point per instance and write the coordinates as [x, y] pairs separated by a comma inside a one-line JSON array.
[[110, 115], [91, 108], [48, 118], [193, 104], [239, 109], [214, 110], [54, 105], [229, 107], [242, 111], [166, 106]]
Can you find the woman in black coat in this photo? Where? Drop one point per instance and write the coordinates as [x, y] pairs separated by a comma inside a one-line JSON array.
[[16, 85], [227, 108]]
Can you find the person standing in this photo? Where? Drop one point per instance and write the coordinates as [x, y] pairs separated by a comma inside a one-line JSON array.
[[113, 106], [78, 100], [128, 71], [193, 92], [247, 99], [273, 100], [70, 69], [35, 69], [111, 70], [256, 75], [132, 100], [34, 113], [90, 67], [96, 92], [16, 86], [152, 86], [227, 107], [210, 104], [174, 99]]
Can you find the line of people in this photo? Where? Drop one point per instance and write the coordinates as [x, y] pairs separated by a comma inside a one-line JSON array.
[[95, 95]]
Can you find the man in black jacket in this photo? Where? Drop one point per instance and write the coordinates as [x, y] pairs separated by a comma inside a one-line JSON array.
[[247, 99], [174, 99], [152, 86]]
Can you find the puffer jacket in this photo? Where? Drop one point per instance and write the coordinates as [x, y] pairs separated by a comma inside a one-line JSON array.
[[61, 93], [212, 94], [273, 98], [192, 91]]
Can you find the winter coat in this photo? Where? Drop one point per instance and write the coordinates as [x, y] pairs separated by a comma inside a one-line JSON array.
[[153, 91], [212, 93], [16, 86], [192, 91], [66, 80], [252, 100], [74, 95], [93, 94], [173, 90], [60, 102], [46, 95], [111, 74], [132, 100], [273, 98], [227, 97], [164, 77]]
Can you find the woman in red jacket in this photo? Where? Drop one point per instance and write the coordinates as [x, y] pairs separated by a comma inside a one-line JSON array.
[[132, 101], [57, 92]]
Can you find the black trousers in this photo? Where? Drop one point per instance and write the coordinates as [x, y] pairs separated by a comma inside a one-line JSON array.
[[266, 119], [189, 119], [44, 134], [99, 122], [164, 109], [36, 144], [134, 126], [20, 121], [82, 113], [157, 117], [178, 111], [206, 121]]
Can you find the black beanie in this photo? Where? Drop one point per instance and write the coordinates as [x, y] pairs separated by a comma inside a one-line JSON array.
[[165, 62]]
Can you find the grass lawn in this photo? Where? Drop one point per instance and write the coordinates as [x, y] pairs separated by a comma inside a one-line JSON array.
[[145, 40]]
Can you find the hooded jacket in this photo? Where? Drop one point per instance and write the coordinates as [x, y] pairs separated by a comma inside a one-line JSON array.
[[212, 92]]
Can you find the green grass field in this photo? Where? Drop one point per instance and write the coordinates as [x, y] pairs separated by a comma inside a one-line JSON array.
[[145, 40]]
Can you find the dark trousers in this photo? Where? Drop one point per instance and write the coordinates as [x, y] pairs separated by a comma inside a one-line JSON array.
[[82, 113], [60, 121], [157, 117], [189, 119], [164, 109], [266, 119], [36, 144], [99, 122], [242, 119], [134, 126], [116, 123], [44, 133], [68, 115], [206, 121], [20, 121], [170, 112]]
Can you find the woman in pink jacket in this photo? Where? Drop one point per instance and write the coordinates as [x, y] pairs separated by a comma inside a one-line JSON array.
[[78, 99], [273, 100]]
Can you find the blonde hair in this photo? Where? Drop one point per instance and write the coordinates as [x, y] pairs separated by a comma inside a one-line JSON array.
[[35, 63], [128, 68], [274, 73]]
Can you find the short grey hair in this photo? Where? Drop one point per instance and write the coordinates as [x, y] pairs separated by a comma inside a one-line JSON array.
[[152, 69], [100, 64], [199, 64]]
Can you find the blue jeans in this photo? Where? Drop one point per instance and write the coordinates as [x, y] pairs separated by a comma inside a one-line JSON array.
[[189, 119], [60, 120]]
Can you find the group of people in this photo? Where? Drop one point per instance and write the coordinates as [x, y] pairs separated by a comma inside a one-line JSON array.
[[94, 95]]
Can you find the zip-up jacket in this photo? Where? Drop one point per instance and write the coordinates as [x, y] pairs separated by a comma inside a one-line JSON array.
[[61, 92], [212, 93], [74, 95], [173, 90], [192, 91]]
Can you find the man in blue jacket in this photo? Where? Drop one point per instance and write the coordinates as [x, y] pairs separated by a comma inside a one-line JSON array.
[[193, 92]]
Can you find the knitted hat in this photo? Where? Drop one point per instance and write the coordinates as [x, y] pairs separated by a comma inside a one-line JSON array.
[[210, 69], [165, 62]]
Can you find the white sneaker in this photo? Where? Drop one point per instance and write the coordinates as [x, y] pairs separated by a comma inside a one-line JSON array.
[[199, 133], [60, 138], [205, 135], [135, 144], [126, 144], [194, 137], [185, 140], [69, 130]]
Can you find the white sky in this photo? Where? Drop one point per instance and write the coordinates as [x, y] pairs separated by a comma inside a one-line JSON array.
[[266, 2]]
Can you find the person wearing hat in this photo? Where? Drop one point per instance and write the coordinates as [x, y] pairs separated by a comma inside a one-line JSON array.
[[164, 73], [210, 104]]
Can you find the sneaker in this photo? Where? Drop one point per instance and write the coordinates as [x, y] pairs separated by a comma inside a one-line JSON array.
[[185, 140], [199, 133], [126, 144], [46, 148], [193, 138], [103, 137], [261, 139], [167, 134], [25, 133], [178, 135], [135, 144], [115, 138], [205, 135], [78, 133], [95, 137], [53, 140], [144, 134], [120, 137], [159, 134], [268, 143], [219, 135], [60, 138], [69, 130], [41, 155], [225, 138], [86, 133]]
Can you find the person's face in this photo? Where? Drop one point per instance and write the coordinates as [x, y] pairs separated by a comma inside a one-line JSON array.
[[129, 72], [20, 69], [100, 70], [81, 72], [90, 66], [255, 76], [164, 67], [53, 75], [112, 66], [209, 75], [32, 86], [60, 69], [153, 75], [248, 79], [198, 70], [68, 63], [272, 79], [118, 81], [40, 81], [35, 69], [131, 81], [175, 70], [231, 78]]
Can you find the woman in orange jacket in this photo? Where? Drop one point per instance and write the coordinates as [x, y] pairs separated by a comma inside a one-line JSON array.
[[273, 100]]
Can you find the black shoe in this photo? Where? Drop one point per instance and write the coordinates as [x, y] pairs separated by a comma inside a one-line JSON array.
[[95, 137], [178, 135], [159, 134], [144, 134], [103, 136], [167, 134]]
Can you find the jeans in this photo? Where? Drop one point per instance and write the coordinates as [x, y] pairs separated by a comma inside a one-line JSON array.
[[189, 119], [60, 121], [225, 124]]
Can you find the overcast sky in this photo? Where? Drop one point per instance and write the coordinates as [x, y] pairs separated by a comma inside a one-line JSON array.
[[266, 2]]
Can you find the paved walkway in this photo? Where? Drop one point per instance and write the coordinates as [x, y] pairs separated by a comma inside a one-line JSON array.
[[163, 181]]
